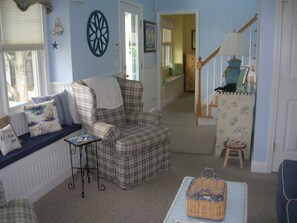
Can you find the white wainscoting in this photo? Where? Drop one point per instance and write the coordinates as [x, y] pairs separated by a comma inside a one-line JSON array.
[[149, 80], [36, 174], [173, 88], [57, 87]]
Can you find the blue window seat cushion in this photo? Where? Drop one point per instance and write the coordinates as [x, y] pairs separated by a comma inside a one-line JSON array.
[[32, 144]]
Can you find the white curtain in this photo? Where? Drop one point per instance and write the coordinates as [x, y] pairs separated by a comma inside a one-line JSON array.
[[23, 5]]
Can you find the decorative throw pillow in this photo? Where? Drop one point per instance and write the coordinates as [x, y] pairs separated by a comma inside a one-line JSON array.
[[42, 118], [115, 116], [62, 104], [8, 140], [177, 69]]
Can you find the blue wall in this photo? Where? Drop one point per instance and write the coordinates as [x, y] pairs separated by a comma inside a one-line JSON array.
[[73, 60], [60, 62], [85, 64], [216, 18]]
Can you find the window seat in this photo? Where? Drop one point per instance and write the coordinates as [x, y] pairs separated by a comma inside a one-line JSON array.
[[32, 144], [172, 78], [41, 164], [173, 87]]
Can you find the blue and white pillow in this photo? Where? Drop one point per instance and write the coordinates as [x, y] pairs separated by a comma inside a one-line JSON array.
[[42, 118], [8, 140], [62, 104]]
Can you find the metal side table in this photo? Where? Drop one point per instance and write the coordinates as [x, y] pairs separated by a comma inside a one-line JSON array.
[[82, 142]]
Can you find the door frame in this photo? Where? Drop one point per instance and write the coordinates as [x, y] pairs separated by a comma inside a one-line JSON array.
[[275, 86], [129, 2], [159, 42]]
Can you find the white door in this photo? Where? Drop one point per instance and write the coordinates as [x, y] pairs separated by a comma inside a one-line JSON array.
[[131, 40], [286, 123]]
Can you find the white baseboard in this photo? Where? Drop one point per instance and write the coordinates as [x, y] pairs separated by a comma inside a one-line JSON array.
[[259, 167]]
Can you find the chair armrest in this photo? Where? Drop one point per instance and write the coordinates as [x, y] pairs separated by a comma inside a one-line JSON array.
[[106, 131], [143, 118], [2, 198]]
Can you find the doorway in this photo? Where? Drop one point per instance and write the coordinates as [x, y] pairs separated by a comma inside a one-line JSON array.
[[172, 56], [131, 40], [178, 53]]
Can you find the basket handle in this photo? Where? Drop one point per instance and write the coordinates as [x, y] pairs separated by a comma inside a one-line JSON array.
[[207, 195], [214, 174]]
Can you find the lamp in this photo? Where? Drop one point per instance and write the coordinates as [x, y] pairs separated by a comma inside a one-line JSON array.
[[233, 45]]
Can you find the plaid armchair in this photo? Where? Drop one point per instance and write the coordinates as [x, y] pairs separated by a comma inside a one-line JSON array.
[[17, 210], [134, 147]]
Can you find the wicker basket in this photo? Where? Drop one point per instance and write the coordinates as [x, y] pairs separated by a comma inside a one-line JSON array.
[[206, 197]]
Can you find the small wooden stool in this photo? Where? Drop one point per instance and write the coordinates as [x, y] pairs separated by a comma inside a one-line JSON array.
[[234, 150]]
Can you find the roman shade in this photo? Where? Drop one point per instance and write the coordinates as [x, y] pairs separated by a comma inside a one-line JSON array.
[[20, 30]]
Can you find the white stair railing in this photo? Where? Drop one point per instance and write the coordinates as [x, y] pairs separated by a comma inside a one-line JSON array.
[[214, 77]]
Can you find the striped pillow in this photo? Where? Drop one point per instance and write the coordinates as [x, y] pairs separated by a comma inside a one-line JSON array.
[[62, 104]]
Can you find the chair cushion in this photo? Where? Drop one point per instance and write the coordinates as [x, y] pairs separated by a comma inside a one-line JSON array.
[[115, 116], [138, 137], [177, 69]]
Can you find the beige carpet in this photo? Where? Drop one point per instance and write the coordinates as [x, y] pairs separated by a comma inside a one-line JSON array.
[[186, 137], [150, 201]]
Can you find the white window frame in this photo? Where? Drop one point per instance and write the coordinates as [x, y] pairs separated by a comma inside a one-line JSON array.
[[165, 46], [42, 79]]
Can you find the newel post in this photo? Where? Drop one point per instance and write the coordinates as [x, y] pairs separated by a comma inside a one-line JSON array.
[[198, 106]]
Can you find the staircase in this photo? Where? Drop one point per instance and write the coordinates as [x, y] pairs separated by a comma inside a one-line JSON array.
[[211, 71]]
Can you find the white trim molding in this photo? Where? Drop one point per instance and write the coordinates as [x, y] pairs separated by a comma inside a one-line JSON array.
[[259, 167]]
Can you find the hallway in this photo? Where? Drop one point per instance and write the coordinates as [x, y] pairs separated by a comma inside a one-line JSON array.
[[186, 137]]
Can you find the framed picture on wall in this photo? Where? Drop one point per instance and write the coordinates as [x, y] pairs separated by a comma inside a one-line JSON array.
[[193, 39], [149, 33]]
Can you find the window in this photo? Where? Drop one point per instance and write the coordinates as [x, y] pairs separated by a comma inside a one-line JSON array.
[[21, 53], [166, 53]]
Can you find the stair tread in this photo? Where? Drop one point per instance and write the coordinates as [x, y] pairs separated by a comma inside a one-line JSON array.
[[206, 116]]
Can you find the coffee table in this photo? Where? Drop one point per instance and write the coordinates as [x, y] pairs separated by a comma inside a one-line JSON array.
[[236, 211]]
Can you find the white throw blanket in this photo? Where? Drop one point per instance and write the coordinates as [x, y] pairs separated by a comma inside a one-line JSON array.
[[108, 91]]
